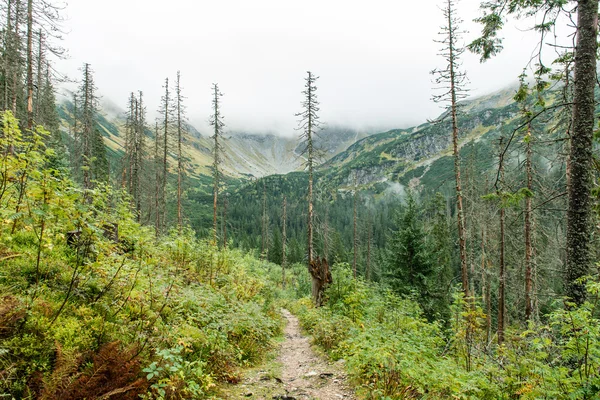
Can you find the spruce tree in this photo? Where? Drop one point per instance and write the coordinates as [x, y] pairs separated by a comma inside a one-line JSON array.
[[91, 151], [409, 268], [452, 82], [216, 121], [180, 136], [308, 124]]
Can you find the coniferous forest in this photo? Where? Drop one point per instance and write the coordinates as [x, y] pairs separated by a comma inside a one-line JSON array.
[[458, 259]]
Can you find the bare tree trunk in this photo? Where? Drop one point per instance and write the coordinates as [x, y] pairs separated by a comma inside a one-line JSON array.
[[355, 241], [163, 188], [456, 152], [326, 233], [30, 64], [502, 277], [263, 251], [158, 185], [579, 227], [7, 47], [217, 123], [485, 288], [225, 203], [369, 233], [528, 232], [40, 74], [179, 153], [17, 45]]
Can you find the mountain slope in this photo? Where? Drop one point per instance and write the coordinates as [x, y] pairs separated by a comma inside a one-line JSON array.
[[245, 154]]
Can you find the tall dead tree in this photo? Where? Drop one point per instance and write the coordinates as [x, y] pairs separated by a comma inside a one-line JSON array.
[[29, 64], [139, 152], [452, 81], [157, 220], [502, 266], [224, 222], [39, 76], [369, 240], [166, 110], [134, 149], [264, 230], [16, 57], [355, 238], [216, 121], [522, 98], [528, 226], [180, 124], [308, 123]]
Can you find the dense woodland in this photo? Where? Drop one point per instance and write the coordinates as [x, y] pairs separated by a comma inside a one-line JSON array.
[[469, 272]]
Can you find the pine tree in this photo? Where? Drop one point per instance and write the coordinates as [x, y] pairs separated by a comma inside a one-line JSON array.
[[409, 266], [354, 223], [452, 82], [308, 124], [275, 255], [91, 150], [166, 113], [522, 98], [216, 121], [135, 149], [29, 64], [180, 136]]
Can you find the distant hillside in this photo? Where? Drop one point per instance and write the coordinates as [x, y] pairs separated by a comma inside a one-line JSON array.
[[245, 154], [422, 154]]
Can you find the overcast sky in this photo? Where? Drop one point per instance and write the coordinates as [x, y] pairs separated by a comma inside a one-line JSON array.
[[373, 58]]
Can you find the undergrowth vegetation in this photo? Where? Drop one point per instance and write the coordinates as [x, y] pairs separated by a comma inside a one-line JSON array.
[[94, 306], [391, 351]]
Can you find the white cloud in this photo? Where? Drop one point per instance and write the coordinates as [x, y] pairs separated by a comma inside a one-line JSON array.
[[373, 57]]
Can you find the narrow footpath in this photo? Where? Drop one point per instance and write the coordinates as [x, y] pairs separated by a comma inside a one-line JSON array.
[[297, 374]]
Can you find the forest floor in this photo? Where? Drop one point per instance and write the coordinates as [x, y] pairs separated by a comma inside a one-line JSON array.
[[295, 371]]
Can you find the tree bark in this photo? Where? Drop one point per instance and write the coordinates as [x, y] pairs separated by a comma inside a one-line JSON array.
[[30, 64], [579, 227]]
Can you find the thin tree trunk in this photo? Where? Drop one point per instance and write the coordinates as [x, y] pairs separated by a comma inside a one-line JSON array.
[[30, 64], [263, 251], [163, 189], [158, 185], [355, 241], [216, 160], [456, 152], [502, 277], [8, 48], [225, 203], [485, 288], [179, 153], [16, 65], [528, 232], [39, 76], [368, 268]]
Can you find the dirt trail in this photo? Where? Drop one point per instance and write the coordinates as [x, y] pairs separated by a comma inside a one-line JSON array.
[[298, 375]]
